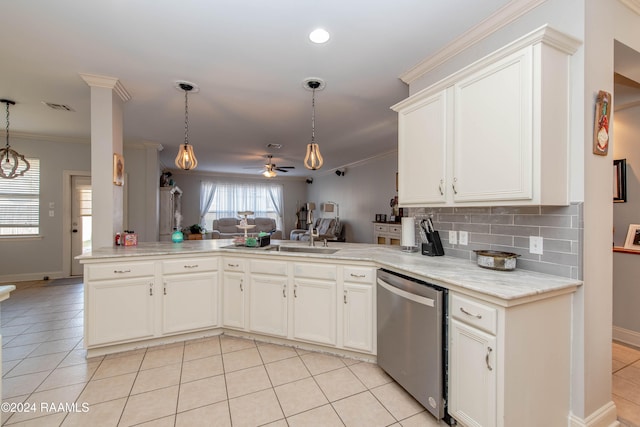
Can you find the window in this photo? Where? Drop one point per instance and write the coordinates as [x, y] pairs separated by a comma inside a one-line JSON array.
[[20, 203], [224, 200]]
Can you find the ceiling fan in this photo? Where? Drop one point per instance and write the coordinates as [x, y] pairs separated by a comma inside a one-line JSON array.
[[270, 168]]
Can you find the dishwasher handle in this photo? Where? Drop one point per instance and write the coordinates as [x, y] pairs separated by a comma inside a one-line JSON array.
[[404, 294]]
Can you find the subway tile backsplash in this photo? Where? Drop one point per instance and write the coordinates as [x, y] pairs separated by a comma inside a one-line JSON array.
[[507, 228]]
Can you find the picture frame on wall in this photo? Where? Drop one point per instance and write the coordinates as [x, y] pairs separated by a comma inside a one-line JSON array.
[[633, 237], [620, 181], [118, 169]]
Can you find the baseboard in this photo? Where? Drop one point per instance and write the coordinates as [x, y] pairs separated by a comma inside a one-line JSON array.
[[31, 276], [626, 336], [605, 416]]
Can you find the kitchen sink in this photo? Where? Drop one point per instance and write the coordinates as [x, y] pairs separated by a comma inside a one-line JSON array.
[[307, 249]]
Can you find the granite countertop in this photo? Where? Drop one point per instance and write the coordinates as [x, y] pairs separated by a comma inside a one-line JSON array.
[[446, 271]]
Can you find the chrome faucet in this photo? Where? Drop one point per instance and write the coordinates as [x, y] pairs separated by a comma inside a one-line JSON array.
[[312, 233]]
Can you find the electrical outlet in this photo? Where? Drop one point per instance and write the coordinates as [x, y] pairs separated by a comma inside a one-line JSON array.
[[464, 238], [52, 213], [535, 245], [453, 238]]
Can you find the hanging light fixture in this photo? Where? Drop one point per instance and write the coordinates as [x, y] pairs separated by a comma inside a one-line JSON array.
[[186, 159], [313, 160], [269, 172], [13, 163]]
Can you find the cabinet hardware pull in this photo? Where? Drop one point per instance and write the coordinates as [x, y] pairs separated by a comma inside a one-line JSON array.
[[150, 289], [345, 297], [486, 359], [233, 265], [455, 190], [191, 266], [284, 291], [164, 289], [440, 187], [241, 287], [295, 291], [358, 275], [121, 271], [477, 316]]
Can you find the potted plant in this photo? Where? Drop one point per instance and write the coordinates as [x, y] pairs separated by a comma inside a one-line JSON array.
[[195, 232]]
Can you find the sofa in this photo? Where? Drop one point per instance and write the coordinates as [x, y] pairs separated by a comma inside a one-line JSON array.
[[328, 228], [225, 228]]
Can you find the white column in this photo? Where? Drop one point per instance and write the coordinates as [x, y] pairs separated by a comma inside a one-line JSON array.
[[107, 99]]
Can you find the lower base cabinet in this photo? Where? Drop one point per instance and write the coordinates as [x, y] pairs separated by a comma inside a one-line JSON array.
[[233, 299], [268, 312], [357, 317], [190, 302], [314, 306]]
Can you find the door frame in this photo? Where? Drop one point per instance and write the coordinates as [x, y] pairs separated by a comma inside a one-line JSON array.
[[66, 217]]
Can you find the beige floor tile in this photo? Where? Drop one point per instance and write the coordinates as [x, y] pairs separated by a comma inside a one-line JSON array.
[[24, 384], [255, 409], [247, 381], [202, 392], [11, 331], [57, 346], [241, 359], [324, 416], [202, 417], [100, 414], [7, 366], [46, 326], [229, 343], [339, 384], [42, 421], [273, 353], [423, 419], [46, 402], [169, 421], [318, 363], [35, 364], [153, 379], [628, 412], [370, 374], [362, 410], [287, 370], [4, 416], [162, 356], [349, 361], [119, 366], [78, 357], [397, 401], [60, 334], [106, 389], [18, 352], [201, 348], [74, 374], [300, 396], [150, 406], [201, 368]]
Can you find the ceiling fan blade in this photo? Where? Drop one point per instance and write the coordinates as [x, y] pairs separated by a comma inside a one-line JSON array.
[[287, 167]]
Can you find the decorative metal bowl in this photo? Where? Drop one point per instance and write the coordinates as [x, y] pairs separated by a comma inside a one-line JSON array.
[[496, 260]]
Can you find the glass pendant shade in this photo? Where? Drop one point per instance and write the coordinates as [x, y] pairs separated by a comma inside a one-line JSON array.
[[186, 159], [269, 173], [313, 160]]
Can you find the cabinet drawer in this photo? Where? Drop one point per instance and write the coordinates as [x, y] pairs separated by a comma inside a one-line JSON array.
[[395, 229], [189, 265], [315, 271], [358, 274], [120, 271], [234, 264], [381, 227], [474, 313], [269, 267]]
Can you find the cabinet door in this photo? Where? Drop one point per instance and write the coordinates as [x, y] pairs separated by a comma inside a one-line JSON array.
[[233, 291], [120, 310], [314, 317], [358, 316], [493, 136], [268, 305], [422, 134], [189, 302], [472, 376]]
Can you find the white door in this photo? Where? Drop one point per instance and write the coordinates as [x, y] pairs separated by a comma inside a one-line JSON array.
[[80, 220]]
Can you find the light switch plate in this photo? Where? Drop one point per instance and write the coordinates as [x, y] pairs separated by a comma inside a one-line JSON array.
[[464, 238], [51, 213], [535, 245], [453, 238]]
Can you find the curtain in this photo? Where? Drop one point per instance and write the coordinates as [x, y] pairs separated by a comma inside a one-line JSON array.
[[207, 193]]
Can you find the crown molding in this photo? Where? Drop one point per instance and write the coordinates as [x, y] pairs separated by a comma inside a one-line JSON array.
[[634, 5], [501, 18], [112, 83]]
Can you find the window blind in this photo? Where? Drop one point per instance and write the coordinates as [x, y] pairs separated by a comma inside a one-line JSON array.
[[20, 203]]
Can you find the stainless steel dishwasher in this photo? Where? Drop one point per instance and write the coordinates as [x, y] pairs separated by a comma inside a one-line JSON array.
[[411, 337]]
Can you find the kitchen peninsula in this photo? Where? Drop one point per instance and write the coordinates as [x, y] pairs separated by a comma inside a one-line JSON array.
[[508, 332]]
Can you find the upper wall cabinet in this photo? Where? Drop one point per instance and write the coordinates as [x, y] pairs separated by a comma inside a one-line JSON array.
[[496, 131]]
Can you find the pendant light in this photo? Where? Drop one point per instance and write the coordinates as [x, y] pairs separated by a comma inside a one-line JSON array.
[[13, 164], [186, 159], [313, 160]]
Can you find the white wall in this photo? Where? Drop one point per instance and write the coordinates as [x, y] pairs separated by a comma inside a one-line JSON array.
[[364, 190]]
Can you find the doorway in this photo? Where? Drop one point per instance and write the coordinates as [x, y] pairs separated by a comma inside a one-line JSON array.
[[81, 220]]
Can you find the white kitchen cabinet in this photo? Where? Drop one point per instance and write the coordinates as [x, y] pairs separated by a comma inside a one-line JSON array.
[[268, 298], [387, 234], [314, 306], [495, 131], [189, 294], [233, 299], [357, 305]]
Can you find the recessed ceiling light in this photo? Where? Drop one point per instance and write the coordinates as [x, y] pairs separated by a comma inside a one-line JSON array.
[[319, 36]]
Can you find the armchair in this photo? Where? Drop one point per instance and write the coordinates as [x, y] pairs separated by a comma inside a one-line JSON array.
[[328, 228]]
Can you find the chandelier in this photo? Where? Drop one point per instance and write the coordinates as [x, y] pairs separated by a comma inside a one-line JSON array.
[[313, 160], [13, 163], [186, 159]]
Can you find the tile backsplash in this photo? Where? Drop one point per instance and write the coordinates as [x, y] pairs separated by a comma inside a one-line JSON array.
[[507, 228]]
